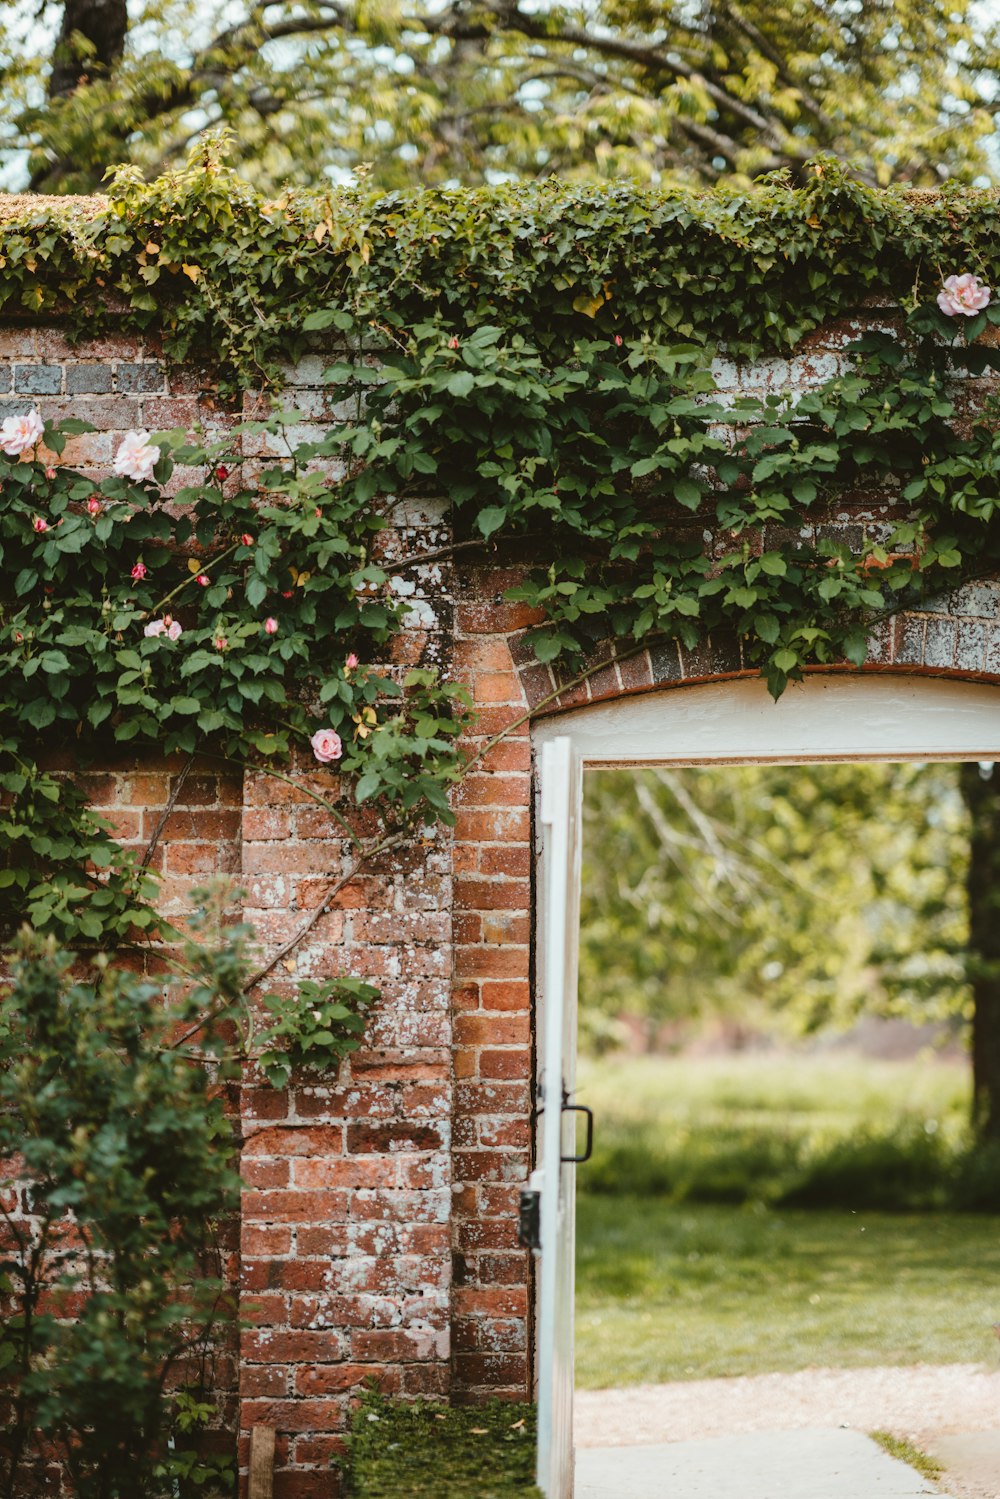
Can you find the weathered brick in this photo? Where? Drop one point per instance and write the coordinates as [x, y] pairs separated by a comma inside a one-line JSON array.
[[38, 379]]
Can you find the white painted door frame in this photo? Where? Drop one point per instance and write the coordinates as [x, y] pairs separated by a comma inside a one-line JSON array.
[[824, 719]]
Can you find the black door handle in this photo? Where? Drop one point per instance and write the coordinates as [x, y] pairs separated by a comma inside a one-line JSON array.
[[588, 1149]]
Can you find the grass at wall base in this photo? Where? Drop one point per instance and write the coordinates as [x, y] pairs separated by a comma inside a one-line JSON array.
[[429, 1451]]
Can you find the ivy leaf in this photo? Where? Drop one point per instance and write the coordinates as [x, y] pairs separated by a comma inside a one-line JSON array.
[[491, 519]]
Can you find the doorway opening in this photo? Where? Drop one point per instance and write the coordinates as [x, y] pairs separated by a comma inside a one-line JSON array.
[[788, 1223]]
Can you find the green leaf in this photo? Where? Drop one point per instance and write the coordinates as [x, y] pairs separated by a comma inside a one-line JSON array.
[[461, 383], [687, 493], [491, 519]]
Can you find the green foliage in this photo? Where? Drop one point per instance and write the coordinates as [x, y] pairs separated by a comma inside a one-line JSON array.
[[230, 276], [502, 383], [701, 1292], [318, 1026], [439, 91], [276, 589], [121, 1153], [789, 1131], [416, 1450], [777, 898]]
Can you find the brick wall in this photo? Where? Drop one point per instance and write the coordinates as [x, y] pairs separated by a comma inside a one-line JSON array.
[[377, 1233]]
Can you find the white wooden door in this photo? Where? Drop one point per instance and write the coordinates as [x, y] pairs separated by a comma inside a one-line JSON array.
[[561, 810]]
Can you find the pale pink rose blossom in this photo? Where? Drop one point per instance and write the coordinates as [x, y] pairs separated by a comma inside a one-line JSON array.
[[173, 628], [963, 295], [94, 506], [351, 662], [50, 473], [270, 625], [326, 746], [221, 643], [39, 525], [136, 457], [154, 628], [20, 434]]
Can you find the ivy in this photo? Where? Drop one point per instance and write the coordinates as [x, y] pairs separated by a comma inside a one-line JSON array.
[[245, 282], [540, 357]]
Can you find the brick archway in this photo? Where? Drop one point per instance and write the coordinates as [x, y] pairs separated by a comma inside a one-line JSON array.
[[956, 637]]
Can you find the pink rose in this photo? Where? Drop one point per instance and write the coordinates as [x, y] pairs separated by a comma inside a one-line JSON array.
[[222, 473], [50, 473], [20, 434], [453, 342], [270, 625], [247, 539], [18, 638], [173, 628], [94, 506], [154, 628], [221, 643], [202, 580], [618, 340], [139, 572], [136, 457], [39, 525], [965, 295], [326, 746], [351, 662]]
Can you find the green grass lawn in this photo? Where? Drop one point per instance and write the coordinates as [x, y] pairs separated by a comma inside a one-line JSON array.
[[669, 1292], [693, 1260]]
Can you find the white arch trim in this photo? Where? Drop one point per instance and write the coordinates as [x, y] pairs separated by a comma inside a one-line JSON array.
[[862, 717]]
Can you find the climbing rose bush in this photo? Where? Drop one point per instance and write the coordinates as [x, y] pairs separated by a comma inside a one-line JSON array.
[[963, 296]]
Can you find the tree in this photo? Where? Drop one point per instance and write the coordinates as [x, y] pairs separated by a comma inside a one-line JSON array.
[[980, 787], [782, 898], [464, 91]]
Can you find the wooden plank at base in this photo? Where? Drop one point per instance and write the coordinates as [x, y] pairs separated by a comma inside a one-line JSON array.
[[261, 1485]]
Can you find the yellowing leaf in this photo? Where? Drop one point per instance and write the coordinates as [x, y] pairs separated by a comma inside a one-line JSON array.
[[191, 271], [589, 306], [322, 229], [152, 248], [194, 566]]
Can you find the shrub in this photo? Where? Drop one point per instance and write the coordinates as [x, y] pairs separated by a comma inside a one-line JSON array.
[[110, 1262]]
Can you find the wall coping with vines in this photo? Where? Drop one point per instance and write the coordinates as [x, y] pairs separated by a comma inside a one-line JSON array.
[[539, 357]]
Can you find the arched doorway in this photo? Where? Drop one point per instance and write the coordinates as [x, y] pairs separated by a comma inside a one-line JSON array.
[[826, 718]]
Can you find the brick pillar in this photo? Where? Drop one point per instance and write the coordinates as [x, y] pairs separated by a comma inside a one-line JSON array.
[[347, 1199]]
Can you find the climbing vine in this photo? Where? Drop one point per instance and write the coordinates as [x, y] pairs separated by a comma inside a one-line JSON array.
[[538, 357]]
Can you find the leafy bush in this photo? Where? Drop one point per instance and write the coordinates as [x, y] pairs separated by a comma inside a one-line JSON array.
[[425, 1451], [112, 1284]]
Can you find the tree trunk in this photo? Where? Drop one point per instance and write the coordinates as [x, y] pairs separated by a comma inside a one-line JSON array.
[[102, 26], [982, 799]]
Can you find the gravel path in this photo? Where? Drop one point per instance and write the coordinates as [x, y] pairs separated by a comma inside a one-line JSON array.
[[919, 1403]]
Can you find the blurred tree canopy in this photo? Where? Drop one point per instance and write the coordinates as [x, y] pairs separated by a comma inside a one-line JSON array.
[[781, 897], [466, 91]]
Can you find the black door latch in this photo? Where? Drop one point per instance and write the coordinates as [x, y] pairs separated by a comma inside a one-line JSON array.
[[529, 1219]]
